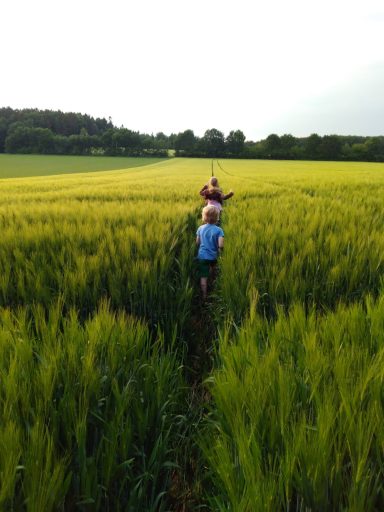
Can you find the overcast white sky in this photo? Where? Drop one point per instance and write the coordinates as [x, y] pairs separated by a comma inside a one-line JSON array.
[[264, 67]]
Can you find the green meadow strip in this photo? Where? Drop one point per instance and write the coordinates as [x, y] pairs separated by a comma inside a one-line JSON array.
[[16, 166]]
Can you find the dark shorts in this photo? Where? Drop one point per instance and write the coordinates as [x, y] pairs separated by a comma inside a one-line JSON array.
[[204, 266]]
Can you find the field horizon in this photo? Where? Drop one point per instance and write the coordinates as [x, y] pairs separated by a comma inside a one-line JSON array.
[[24, 166]]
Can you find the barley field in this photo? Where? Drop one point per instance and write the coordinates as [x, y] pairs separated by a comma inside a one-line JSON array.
[[120, 390]]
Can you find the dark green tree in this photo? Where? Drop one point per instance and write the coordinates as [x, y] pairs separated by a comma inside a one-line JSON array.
[[375, 149], [147, 141], [287, 142], [235, 142], [3, 133], [330, 148], [312, 147], [272, 146], [24, 139], [185, 141], [127, 140], [213, 143], [161, 141]]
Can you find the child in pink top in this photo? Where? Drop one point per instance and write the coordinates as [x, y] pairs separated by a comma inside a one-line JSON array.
[[213, 194]]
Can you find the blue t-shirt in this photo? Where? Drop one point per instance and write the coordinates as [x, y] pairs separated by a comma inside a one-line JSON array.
[[209, 240]]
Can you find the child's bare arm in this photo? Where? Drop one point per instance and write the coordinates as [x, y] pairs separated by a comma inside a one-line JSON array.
[[227, 196], [221, 244], [197, 240]]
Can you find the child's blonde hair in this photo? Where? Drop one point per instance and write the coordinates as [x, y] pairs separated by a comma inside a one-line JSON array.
[[213, 184], [210, 214]]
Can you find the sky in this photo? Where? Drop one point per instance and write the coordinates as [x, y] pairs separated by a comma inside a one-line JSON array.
[[263, 67]]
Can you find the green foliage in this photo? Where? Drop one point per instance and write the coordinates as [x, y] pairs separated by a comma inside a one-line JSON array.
[[96, 291], [212, 144], [296, 419], [54, 132], [85, 242], [235, 142], [24, 139], [310, 235], [89, 412], [96, 296], [185, 141]]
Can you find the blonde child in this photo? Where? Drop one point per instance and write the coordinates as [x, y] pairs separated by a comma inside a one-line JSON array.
[[213, 194], [210, 242]]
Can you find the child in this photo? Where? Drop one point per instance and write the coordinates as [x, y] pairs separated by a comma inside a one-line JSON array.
[[210, 241], [213, 194]]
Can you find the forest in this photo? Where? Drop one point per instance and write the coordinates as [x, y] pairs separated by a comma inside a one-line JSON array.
[[34, 131]]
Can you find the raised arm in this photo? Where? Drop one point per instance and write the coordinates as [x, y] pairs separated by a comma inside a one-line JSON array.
[[227, 196], [202, 191]]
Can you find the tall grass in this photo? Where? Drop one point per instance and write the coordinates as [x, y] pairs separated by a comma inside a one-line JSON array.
[[95, 290], [297, 412], [298, 417], [89, 412], [313, 237], [85, 239], [97, 307]]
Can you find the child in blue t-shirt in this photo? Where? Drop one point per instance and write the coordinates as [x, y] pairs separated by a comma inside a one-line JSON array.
[[210, 241]]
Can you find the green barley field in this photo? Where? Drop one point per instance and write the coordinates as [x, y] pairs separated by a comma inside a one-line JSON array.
[[121, 391], [16, 166]]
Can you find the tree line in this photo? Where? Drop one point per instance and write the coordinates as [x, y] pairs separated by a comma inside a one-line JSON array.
[[60, 133], [285, 147], [316, 147], [56, 132]]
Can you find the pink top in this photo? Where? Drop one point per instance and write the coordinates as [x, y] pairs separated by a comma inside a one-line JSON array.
[[217, 205]]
